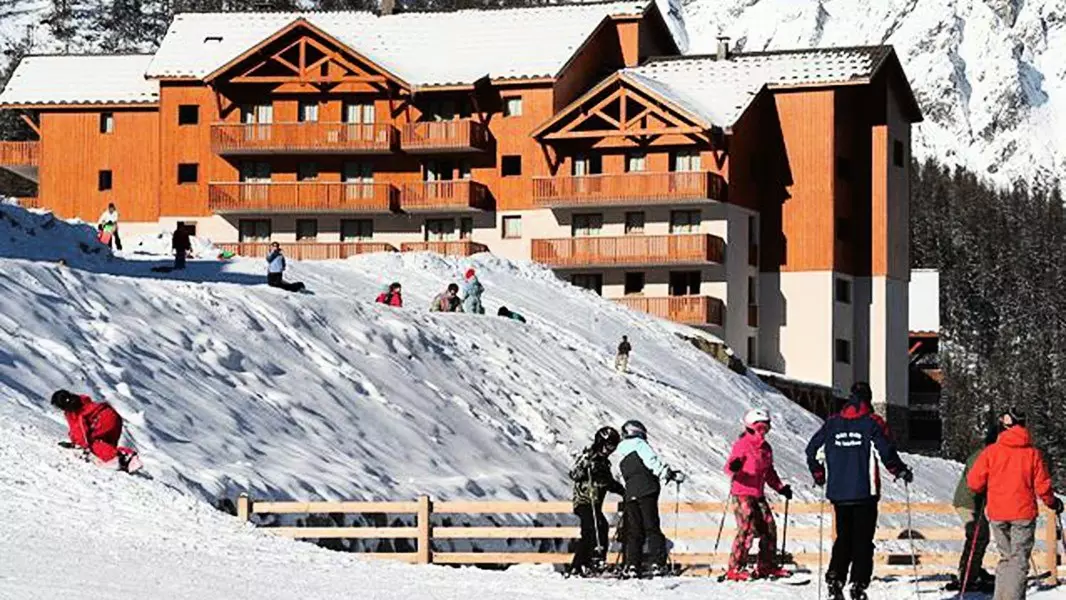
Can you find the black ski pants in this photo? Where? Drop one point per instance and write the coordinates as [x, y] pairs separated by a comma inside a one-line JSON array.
[[976, 527], [854, 544], [276, 280], [642, 524], [592, 547]]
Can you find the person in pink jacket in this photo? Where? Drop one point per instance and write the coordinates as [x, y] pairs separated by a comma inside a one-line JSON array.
[[751, 467]]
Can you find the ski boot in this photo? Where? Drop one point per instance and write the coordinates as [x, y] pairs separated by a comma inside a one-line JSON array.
[[835, 588], [770, 573], [658, 571], [737, 575], [858, 592], [630, 572]]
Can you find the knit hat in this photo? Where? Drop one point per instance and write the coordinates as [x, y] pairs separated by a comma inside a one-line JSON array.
[[469, 273]]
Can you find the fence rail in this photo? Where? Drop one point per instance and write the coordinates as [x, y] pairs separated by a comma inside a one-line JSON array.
[[458, 135], [626, 188], [630, 250], [303, 138], [424, 532], [302, 196], [308, 251], [456, 248], [20, 154], [693, 310], [444, 196]]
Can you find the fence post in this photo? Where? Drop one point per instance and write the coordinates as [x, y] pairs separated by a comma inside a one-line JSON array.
[[1051, 541], [244, 507], [425, 531]]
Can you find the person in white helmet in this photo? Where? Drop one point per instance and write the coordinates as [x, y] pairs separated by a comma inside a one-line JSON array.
[[751, 467]]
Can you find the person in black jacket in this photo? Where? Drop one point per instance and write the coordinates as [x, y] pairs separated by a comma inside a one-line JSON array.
[[592, 479], [621, 360], [853, 439], [181, 243]]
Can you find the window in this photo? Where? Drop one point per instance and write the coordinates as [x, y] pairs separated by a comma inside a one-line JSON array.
[[466, 228], [440, 230], [843, 291], [257, 113], [843, 232], [634, 283], [588, 281], [634, 223], [685, 221], [253, 230], [512, 106], [307, 171], [188, 114], [255, 172], [464, 168], [188, 173], [308, 111], [438, 170], [512, 228], [107, 122], [753, 296], [753, 230], [586, 164], [306, 230], [897, 153], [843, 168], [103, 180], [190, 228], [358, 112], [635, 162], [213, 39], [684, 283], [357, 172], [685, 161], [357, 230], [585, 225], [751, 351], [842, 351], [510, 166]]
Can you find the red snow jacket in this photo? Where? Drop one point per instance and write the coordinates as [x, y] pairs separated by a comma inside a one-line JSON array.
[[95, 426], [1014, 474], [390, 298], [757, 468]]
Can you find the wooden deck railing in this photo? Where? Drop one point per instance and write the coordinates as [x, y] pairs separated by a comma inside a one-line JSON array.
[[453, 248], [457, 195], [303, 138], [459, 135], [309, 250], [627, 189], [418, 524], [302, 196], [20, 154], [630, 250], [690, 310]]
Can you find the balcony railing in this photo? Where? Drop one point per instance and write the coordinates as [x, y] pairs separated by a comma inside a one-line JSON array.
[[630, 250], [459, 135], [452, 248], [303, 138], [20, 154], [309, 250], [623, 189], [444, 196], [690, 310], [302, 197]]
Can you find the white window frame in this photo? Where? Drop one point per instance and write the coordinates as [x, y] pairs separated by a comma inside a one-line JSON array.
[[512, 106], [511, 226]]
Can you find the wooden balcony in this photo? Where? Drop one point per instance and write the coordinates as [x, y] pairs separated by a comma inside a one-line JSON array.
[[630, 250], [627, 189], [458, 195], [302, 197], [21, 158], [459, 135], [303, 138], [309, 250], [451, 248], [690, 310]]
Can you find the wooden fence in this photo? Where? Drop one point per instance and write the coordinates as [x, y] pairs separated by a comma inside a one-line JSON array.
[[424, 532]]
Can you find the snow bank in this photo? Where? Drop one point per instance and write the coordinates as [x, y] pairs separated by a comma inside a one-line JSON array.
[[228, 385]]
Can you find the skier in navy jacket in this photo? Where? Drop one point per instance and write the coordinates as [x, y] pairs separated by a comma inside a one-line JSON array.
[[853, 485]]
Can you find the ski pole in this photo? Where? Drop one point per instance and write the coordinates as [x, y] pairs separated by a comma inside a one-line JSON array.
[[1062, 538], [821, 530], [784, 535], [595, 520], [973, 548], [677, 517], [721, 523], [910, 536]]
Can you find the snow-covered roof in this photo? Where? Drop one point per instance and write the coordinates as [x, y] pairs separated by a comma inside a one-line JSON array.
[[721, 90], [84, 79], [423, 49], [924, 304]]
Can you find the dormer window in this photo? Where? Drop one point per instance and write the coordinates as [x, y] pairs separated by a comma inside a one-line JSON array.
[[213, 39]]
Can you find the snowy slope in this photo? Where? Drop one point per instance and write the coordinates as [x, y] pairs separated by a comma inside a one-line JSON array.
[[229, 385]]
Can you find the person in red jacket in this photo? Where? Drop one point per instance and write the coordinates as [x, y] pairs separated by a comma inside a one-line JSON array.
[[751, 468], [1013, 474], [96, 428], [393, 297]]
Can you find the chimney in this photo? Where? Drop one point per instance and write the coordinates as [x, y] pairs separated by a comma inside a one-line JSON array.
[[723, 48], [387, 7]]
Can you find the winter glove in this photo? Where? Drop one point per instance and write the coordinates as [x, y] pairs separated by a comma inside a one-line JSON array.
[[907, 475], [819, 477], [735, 465], [66, 444], [786, 492], [1057, 506], [672, 475]]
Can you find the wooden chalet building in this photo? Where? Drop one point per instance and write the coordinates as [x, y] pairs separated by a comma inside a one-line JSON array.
[[760, 195]]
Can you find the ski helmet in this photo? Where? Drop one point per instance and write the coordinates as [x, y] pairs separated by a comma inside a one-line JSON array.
[[756, 415], [64, 400], [607, 437], [861, 391], [634, 428]]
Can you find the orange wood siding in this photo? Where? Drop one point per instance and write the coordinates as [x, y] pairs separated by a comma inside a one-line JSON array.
[[513, 139], [629, 41], [891, 188], [188, 144], [601, 56], [807, 216], [73, 152]]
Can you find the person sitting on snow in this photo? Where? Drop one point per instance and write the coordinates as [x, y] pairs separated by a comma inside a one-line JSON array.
[[751, 467], [392, 297], [642, 469], [276, 270], [95, 428], [472, 290], [510, 314], [447, 301]]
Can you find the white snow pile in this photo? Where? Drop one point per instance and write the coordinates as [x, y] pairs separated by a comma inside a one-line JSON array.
[[228, 385]]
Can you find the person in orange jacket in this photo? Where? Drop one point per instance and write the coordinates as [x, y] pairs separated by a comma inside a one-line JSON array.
[[1013, 474]]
